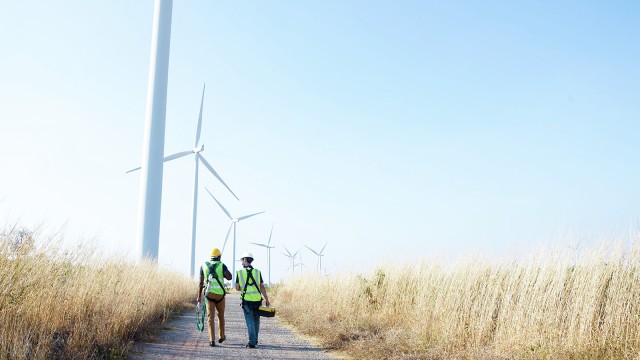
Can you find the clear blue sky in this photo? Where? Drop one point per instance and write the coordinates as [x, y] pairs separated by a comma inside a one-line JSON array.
[[391, 130]]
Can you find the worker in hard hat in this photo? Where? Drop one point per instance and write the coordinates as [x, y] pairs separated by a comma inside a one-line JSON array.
[[249, 282], [212, 275]]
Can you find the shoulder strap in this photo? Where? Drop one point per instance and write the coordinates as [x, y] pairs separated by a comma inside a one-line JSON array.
[[209, 266], [250, 276], [215, 276], [213, 270]]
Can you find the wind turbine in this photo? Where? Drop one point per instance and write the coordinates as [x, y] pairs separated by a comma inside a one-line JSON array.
[[153, 144], [291, 257], [267, 245], [294, 265], [198, 158], [302, 265], [234, 221], [319, 254]]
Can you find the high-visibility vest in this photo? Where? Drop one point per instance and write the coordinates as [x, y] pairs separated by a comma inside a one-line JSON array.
[[214, 287], [253, 289]]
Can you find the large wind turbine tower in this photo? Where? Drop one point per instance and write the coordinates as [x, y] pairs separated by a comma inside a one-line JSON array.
[[153, 146]]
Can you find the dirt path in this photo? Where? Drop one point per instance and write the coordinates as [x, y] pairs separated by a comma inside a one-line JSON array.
[[184, 341]]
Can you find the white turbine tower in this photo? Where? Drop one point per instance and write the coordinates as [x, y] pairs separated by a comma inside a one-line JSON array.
[[319, 254], [153, 144], [267, 245], [295, 265], [302, 265], [234, 221], [291, 257], [198, 158]]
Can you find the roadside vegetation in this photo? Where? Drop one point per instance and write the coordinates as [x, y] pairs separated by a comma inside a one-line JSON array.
[[547, 306], [73, 304]]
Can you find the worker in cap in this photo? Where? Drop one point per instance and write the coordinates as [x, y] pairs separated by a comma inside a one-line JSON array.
[[249, 283], [212, 275]]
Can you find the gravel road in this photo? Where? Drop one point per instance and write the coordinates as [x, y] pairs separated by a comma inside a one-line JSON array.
[[183, 341]]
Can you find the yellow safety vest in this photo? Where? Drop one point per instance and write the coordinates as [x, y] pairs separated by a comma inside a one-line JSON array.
[[214, 287], [253, 289]]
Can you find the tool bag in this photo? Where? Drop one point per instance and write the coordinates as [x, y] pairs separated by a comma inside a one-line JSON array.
[[267, 311]]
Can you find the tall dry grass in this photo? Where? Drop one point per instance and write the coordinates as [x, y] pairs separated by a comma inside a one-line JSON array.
[[57, 304], [545, 307]]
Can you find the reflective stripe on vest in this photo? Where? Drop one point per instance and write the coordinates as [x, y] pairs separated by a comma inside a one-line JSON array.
[[214, 287], [253, 290]]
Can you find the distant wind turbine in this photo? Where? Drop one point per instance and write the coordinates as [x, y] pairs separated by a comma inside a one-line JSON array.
[[319, 254], [267, 245], [297, 265], [293, 267], [302, 265], [234, 221], [291, 257], [575, 249], [198, 158]]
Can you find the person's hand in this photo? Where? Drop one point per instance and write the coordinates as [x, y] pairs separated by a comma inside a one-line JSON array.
[[267, 303], [199, 298]]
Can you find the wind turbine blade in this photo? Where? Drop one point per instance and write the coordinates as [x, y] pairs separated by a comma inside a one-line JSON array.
[[294, 255], [167, 158], [177, 155], [227, 237], [313, 251], [325, 245], [271, 233], [132, 170], [208, 166], [263, 245], [221, 207], [200, 118], [248, 216], [287, 250]]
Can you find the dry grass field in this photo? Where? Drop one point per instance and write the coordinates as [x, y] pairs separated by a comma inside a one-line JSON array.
[[543, 307], [58, 304]]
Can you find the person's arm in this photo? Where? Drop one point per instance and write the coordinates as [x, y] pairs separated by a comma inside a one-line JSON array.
[[237, 283], [200, 286], [264, 292], [226, 273]]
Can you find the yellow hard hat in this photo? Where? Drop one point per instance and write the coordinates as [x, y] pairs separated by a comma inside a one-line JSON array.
[[215, 252]]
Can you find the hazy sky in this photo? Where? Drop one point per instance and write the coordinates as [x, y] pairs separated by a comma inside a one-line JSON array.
[[392, 130]]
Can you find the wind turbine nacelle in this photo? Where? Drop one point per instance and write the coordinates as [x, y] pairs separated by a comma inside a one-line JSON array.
[[197, 150]]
